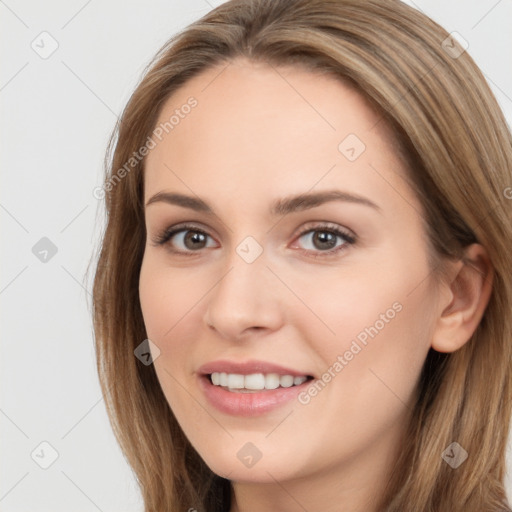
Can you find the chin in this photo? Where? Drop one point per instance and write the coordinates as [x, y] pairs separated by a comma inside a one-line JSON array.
[[243, 465]]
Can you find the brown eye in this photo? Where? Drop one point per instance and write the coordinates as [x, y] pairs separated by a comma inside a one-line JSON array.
[[194, 240], [326, 240], [185, 239]]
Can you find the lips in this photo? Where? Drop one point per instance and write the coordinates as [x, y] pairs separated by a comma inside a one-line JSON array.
[[250, 388]]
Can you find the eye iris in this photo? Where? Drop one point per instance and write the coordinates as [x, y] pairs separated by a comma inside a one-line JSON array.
[[324, 240], [196, 238]]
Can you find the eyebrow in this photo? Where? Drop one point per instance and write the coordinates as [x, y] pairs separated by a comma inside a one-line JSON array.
[[282, 206]]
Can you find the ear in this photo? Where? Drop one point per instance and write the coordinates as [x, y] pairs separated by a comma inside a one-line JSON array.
[[464, 299]]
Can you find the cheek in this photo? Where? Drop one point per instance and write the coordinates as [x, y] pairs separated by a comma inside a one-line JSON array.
[[362, 304], [371, 326], [168, 302], [167, 296]]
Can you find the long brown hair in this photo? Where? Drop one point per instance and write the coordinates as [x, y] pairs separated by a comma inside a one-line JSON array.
[[452, 133]]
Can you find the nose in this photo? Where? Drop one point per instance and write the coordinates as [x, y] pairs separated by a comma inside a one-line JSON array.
[[245, 300]]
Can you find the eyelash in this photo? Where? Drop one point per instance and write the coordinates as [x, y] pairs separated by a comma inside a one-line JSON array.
[[165, 236]]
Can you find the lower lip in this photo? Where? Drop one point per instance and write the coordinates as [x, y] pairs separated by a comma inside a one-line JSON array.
[[248, 404]]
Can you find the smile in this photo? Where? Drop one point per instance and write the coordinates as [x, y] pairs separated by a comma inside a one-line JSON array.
[[251, 387]]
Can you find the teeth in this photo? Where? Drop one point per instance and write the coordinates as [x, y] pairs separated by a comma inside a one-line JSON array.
[[255, 381], [286, 381], [235, 381], [272, 381]]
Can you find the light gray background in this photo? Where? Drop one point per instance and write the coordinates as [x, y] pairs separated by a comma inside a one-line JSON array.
[[57, 114]]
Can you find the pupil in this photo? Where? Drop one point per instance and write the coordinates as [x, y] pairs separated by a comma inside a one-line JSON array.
[[325, 240]]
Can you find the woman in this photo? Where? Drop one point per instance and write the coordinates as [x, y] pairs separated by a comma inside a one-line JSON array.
[[303, 295]]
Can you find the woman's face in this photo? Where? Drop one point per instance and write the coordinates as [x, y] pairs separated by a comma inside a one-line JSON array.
[[271, 290]]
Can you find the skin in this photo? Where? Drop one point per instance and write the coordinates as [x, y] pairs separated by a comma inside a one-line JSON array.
[[257, 134]]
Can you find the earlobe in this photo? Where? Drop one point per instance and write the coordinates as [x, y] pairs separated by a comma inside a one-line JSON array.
[[469, 293]]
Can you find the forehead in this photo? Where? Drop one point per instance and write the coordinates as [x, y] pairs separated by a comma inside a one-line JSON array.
[[254, 126]]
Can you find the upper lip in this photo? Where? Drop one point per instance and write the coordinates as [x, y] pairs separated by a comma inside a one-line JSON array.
[[247, 368]]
